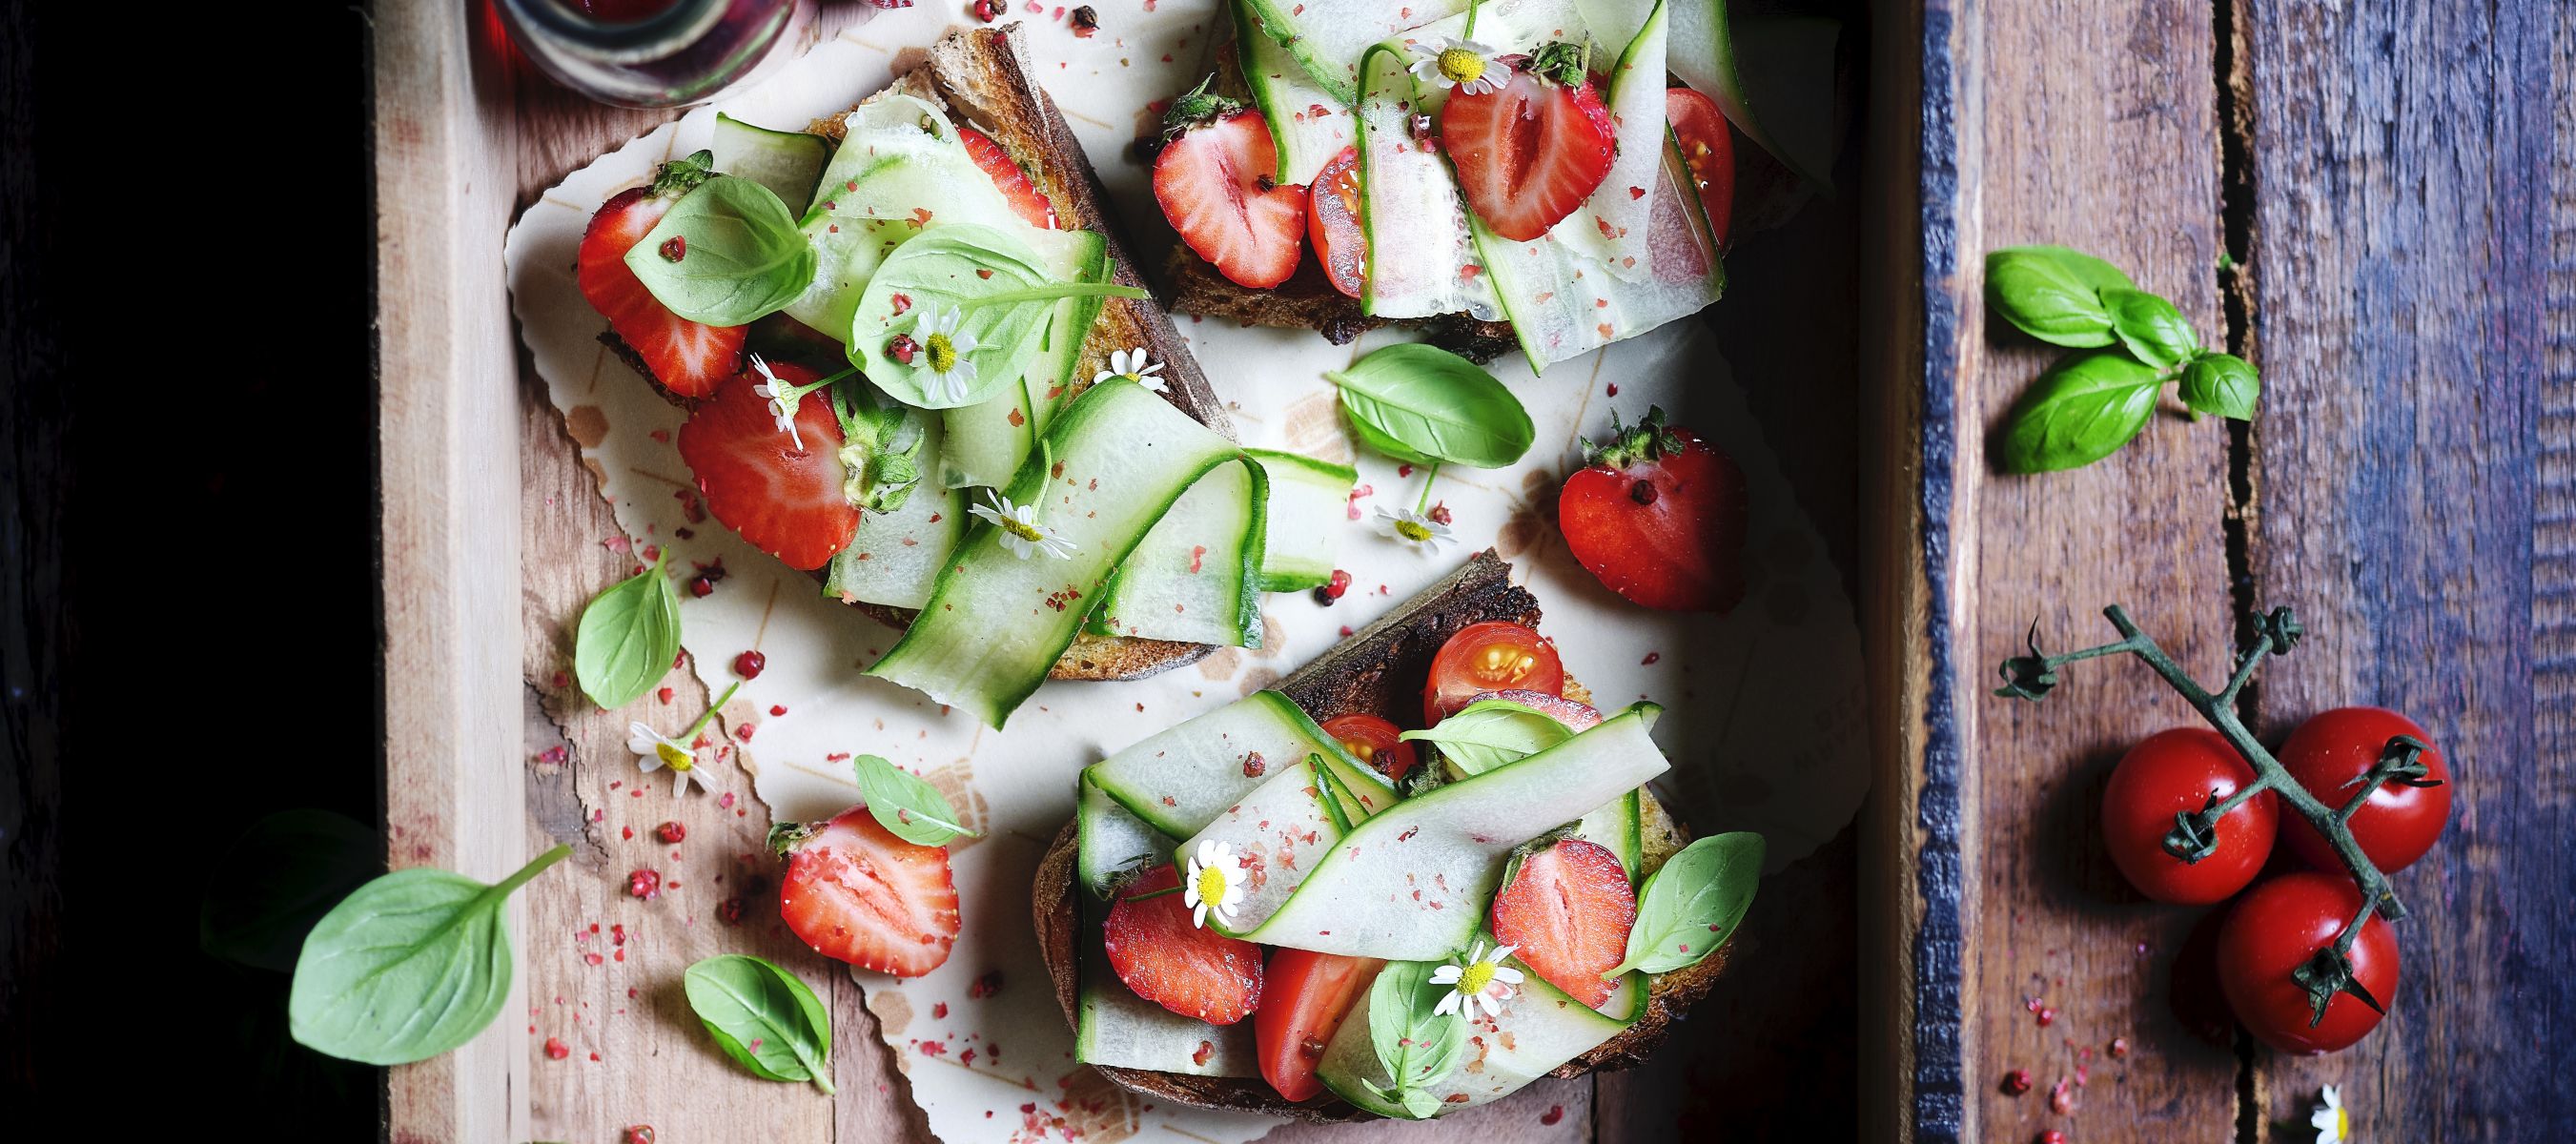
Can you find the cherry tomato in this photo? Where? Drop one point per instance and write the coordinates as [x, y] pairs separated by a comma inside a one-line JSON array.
[[1709, 149], [2400, 822], [1373, 741], [1333, 223], [1496, 655], [1307, 996], [2175, 772], [2275, 930]]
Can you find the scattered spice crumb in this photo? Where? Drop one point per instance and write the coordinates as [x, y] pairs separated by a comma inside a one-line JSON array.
[[2016, 1082], [557, 1050], [645, 884]]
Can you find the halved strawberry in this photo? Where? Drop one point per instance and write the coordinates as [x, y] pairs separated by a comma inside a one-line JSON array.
[[787, 500], [687, 357], [1569, 910], [1191, 971], [1213, 181], [1008, 177], [1334, 223], [1529, 153], [856, 893]]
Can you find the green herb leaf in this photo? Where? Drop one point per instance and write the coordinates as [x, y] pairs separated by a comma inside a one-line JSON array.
[[1419, 1104], [303, 862], [740, 254], [2080, 411], [2094, 273], [763, 1017], [2037, 291], [628, 637], [1693, 903], [978, 289], [1422, 404], [412, 965], [2222, 384], [2151, 327], [881, 443], [914, 810], [1416, 1046], [1492, 733]]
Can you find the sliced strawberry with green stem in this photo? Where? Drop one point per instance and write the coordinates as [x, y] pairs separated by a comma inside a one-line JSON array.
[[856, 893], [1568, 910], [1214, 184], [1659, 517], [1529, 153], [787, 499], [1191, 971], [687, 357]]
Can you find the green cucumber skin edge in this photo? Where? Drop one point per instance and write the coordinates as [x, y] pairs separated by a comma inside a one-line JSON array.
[[1280, 705]]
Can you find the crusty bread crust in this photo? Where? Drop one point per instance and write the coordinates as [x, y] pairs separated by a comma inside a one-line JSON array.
[[1376, 670]]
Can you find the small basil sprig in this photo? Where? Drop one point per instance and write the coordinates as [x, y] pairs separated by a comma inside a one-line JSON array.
[[763, 1017], [1492, 733], [881, 443], [1417, 1047], [954, 315], [1423, 405], [914, 810], [1693, 903], [412, 965], [628, 637], [2088, 405], [726, 254]]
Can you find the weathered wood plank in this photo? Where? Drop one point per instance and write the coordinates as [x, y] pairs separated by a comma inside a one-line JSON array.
[[2413, 462], [2094, 127]]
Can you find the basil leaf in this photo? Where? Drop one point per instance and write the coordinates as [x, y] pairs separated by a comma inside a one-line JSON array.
[[914, 810], [1433, 406], [1492, 733], [2094, 273], [1419, 1104], [303, 862], [1416, 1046], [2151, 327], [1693, 903], [976, 287], [628, 637], [763, 1017], [2036, 292], [2222, 384], [739, 254], [412, 965], [2080, 411]]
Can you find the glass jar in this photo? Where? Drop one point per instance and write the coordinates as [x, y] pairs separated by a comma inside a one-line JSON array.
[[652, 53]]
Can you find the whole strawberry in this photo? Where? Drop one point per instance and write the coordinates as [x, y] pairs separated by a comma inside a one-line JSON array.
[[1659, 517]]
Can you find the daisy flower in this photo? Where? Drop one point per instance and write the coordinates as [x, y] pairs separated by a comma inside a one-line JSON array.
[[1413, 528], [1132, 364], [654, 752], [1021, 532], [1470, 67], [2333, 1124], [1214, 882], [783, 400], [1479, 979], [944, 348]]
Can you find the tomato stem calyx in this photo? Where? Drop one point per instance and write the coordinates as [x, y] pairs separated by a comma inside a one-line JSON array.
[[2195, 833]]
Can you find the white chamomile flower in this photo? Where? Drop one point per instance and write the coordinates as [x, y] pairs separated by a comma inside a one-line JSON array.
[[1132, 364], [1468, 66], [1413, 528], [2333, 1124], [783, 400], [1214, 882], [944, 348], [655, 751], [1021, 532], [1479, 979]]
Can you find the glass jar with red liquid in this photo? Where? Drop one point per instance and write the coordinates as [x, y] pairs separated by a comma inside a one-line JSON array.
[[652, 53]]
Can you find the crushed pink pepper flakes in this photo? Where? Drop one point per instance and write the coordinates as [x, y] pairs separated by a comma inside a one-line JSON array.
[[939, 1012], [645, 884], [592, 959], [1554, 1113], [557, 1050], [777, 709]]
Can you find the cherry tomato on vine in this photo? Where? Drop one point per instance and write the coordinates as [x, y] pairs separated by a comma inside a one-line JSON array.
[[2276, 929], [2177, 772], [1373, 741], [2400, 822], [1496, 655]]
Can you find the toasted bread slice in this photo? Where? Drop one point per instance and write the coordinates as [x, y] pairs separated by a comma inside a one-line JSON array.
[[1379, 670]]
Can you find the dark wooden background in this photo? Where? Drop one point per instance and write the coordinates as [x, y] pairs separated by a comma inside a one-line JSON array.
[[2389, 183]]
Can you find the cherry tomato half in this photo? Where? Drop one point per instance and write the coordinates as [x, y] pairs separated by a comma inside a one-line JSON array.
[[1708, 147], [1373, 741], [1496, 655], [1307, 995], [2275, 930], [2400, 822], [2176, 772], [1333, 223]]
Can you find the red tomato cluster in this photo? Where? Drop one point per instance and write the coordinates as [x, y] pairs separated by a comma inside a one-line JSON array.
[[2283, 922]]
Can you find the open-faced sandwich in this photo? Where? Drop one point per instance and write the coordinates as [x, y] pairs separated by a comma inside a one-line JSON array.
[[920, 366], [1292, 905], [1494, 173]]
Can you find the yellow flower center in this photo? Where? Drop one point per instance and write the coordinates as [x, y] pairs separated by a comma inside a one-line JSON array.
[[1461, 65], [1027, 532], [1211, 885], [1473, 979], [676, 758], [2343, 1125], [943, 353], [1413, 530]]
